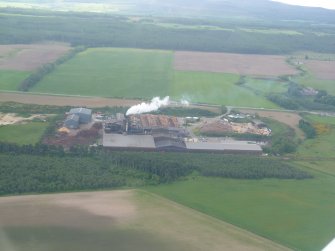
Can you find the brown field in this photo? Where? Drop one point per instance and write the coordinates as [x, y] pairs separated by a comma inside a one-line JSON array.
[[28, 57], [255, 65], [116, 220], [288, 118], [322, 69]]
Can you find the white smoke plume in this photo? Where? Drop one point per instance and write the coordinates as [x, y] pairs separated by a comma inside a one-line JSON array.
[[184, 102], [154, 105]]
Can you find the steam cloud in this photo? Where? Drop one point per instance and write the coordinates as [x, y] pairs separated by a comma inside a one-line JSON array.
[[184, 102], [154, 105]]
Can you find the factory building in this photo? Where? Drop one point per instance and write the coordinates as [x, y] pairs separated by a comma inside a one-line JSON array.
[[72, 121], [85, 115], [147, 132]]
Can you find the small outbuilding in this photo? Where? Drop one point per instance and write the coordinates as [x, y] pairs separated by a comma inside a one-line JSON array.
[[72, 121], [84, 114]]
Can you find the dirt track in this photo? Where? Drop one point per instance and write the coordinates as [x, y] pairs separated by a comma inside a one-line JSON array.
[[259, 65], [28, 98]]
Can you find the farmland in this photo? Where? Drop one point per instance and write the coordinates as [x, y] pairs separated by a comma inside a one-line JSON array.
[[28, 57], [298, 214], [215, 88], [23, 134], [312, 81], [323, 145], [259, 65], [124, 220], [10, 80], [111, 72]]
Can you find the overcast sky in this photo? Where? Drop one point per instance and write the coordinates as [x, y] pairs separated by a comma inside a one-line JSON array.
[[328, 4]]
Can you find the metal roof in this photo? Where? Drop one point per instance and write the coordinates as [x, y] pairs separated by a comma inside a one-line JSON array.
[[220, 146], [81, 110], [165, 142], [74, 117], [125, 141]]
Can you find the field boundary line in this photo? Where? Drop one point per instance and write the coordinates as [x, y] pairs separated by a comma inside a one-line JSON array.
[[236, 228]]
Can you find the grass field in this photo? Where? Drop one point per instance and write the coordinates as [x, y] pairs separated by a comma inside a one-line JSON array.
[[309, 80], [115, 220], [323, 145], [299, 214], [110, 72], [215, 88], [265, 86], [10, 80], [323, 166], [23, 134], [135, 73]]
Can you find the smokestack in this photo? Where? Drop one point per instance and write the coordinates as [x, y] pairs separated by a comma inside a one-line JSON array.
[[154, 105]]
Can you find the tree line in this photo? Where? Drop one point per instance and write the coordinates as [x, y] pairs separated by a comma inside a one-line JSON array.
[[45, 69], [114, 31], [48, 168]]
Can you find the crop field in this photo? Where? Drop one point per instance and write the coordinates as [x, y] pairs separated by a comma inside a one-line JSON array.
[[112, 72], [323, 166], [215, 88], [322, 69], [311, 80], [23, 134], [136, 73], [115, 220], [265, 86], [298, 214], [254, 65], [10, 80], [24, 57]]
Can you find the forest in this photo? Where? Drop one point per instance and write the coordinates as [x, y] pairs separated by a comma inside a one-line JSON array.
[[47, 168], [94, 30]]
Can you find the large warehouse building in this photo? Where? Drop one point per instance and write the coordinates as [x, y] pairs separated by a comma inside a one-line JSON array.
[[116, 141], [147, 132]]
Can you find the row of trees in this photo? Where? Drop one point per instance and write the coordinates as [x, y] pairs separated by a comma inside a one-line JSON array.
[[45, 69]]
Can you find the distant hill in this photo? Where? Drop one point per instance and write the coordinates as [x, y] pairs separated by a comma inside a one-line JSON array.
[[216, 9]]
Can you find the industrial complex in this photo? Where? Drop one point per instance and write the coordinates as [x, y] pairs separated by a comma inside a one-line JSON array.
[[148, 132]]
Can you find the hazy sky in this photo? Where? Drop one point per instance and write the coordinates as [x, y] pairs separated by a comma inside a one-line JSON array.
[[328, 4]]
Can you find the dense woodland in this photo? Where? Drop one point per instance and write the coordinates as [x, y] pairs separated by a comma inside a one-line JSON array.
[[47, 168], [94, 30]]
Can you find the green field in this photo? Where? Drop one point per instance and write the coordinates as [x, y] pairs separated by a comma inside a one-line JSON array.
[[10, 80], [323, 145], [309, 80], [265, 86], [115, 220], [135, 73], [298, 214], [323, 166], [110, 72], [23, 134], [215, 88]]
